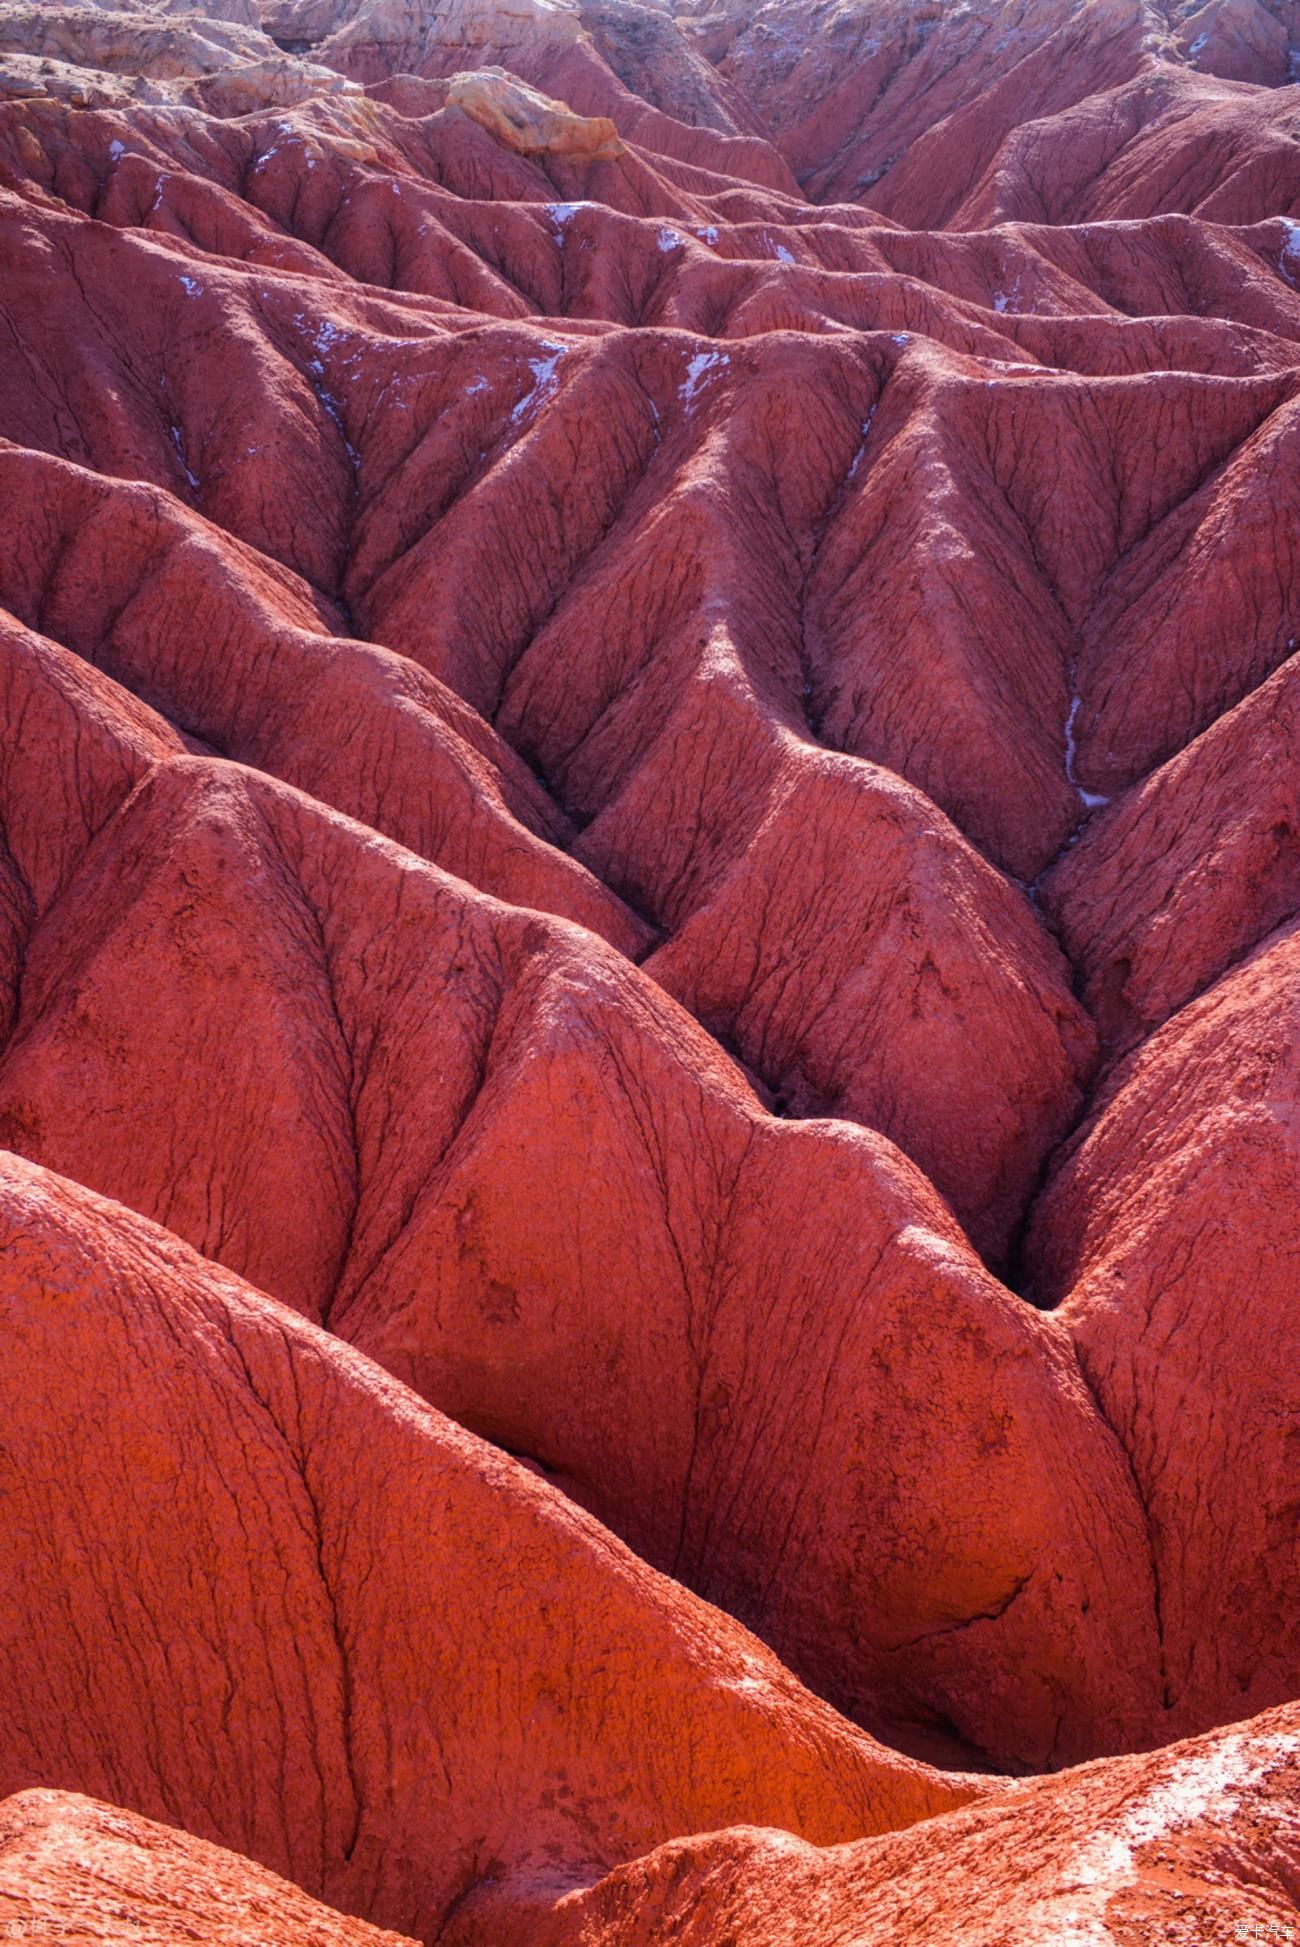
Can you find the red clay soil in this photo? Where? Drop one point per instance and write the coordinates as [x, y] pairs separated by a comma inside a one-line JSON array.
[[650, 972]]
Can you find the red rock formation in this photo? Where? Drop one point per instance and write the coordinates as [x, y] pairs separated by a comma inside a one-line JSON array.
[[1190, 871], [254, 674], [1197, 1843], [1170, 1220], [334, 1631], [397, 1056], [650, 771], [72, 1869]]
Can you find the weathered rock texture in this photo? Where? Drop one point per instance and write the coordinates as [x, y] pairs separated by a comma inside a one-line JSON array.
[[649, 802], [335, 1631], [75, 1869], [1195, 1844], [529, 122]]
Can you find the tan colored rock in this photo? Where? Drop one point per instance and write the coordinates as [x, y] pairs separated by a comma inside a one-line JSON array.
[[33, 77], [100, 57], [530, 122], [127, 43], [276, 81]]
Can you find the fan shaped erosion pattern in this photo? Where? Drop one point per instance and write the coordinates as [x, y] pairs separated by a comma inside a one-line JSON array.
[[650, 972]]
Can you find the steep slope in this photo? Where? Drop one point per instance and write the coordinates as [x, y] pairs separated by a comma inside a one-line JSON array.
[[237, 658], [649, 771], [1171, 1221], [72, 1869], [397, 1057], [1196, 1844], [283, 1560]]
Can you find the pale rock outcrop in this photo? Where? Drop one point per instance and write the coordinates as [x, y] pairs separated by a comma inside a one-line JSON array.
[[530, 122], [99, 56]]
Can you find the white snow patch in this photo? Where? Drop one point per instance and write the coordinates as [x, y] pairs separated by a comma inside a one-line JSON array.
[[180, 454], [1196, 46], [1197, 1788], [543, 371], [327, 335], [1203, 1788], [193, 288], [698, 369], [115, 151], [287, 133], [862, 445], [900, 338], [1077, 1930], [670, 240], [335, 412], [784, 256], [754, 1679], [1290, 250], [480, 385], [1008, 300], [1091, 799], [709, 234]]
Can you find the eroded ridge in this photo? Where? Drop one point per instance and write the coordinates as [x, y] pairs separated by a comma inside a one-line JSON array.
[[647, 940]]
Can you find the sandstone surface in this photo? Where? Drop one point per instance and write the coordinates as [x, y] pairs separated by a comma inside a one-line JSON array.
[[336, 1632], [1196, 1843], [650, 969], [72, 1868], [529, 122]]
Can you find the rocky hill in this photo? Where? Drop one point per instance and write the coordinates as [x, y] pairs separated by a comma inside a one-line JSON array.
[[650, 972]]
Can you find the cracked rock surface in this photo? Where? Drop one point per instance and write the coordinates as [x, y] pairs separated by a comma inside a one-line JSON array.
[[650, 971]]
